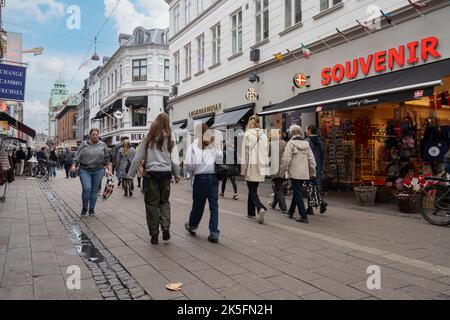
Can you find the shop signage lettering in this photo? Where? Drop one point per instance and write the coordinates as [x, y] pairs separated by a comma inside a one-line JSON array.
[[208, 109], [381, 60], [12, 82], [362, 102], [137, 137]]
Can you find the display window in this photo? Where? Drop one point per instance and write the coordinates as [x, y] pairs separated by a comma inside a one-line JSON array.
[[388, 141]]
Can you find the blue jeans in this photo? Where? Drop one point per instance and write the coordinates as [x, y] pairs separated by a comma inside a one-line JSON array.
[[206, 187], [297, 199], [52, 172], [90, 182]]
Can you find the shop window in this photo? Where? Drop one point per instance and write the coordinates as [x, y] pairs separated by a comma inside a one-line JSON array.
[[139, 117]]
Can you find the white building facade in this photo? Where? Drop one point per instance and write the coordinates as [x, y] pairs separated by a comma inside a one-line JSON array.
[[235, 53], [134, 86]]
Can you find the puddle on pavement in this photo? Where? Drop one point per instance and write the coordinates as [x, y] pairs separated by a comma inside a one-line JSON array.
[[84, 246]]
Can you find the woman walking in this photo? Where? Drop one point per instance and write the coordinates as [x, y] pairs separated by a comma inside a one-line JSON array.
[[232, 171], [255, 165], [53, 161], [124, 159], [201, 157], [161, 155], [298, 160], [93, 160], [277, 146]]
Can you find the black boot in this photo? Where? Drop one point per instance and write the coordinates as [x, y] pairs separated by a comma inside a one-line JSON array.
[[154, 239], [323, 207]]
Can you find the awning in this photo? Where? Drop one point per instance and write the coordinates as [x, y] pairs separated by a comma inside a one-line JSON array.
[[113, 107], [181, 124], [232, 116], [138, 101], [402, 85], [17, 124], [99, 115], [206, 119]]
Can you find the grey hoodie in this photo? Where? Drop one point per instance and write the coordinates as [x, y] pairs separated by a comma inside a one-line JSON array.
[[156, 160]]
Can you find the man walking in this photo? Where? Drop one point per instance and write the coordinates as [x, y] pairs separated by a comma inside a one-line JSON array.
[[21, 156], [316, 146], [67, 159]]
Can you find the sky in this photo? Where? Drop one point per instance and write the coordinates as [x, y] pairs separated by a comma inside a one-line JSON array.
[[52, 24]]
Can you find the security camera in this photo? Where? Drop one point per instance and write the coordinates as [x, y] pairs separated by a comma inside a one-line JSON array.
[[253, 78]]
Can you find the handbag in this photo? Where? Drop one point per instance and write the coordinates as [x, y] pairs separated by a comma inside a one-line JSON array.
[[222, 171], [314, 199]]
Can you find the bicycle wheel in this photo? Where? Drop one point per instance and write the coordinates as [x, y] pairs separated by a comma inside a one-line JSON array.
[[435, 205]]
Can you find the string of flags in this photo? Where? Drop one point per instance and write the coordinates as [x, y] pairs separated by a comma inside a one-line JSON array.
[[306, 52]]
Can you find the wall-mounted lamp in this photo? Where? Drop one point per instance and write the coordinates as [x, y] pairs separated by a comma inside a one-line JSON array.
[[253, 78]]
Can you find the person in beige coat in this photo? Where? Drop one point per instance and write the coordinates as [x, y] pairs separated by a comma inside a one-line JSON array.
[[277, 146], [298, 161], [255, 165]]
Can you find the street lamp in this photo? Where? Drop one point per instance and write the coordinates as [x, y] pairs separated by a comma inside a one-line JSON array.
[[95, 56], [36, 51]]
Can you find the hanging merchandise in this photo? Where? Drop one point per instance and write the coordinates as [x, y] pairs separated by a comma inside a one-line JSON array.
[[363, 132], [438, 98]]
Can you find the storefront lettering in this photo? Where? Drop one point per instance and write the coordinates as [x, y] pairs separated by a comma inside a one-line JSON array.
[[382, 60], [137, 137], [208, 109], [362, 102]]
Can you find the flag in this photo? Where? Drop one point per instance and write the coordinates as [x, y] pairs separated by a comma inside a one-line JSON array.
[[278, 56], [417, 5], [306, 51], [387, 17]]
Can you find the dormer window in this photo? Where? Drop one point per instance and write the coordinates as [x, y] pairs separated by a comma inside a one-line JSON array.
[[139, 37]]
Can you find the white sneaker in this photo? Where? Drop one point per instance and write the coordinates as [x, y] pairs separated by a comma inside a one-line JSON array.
[[261, 215]]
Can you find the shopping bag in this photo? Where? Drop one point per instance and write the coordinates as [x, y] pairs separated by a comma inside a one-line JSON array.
[[314, 198], [109, 188]]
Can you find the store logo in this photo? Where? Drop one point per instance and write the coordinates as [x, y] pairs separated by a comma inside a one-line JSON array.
[[300, 80], [434, 151], [251, 94], [362, 102]]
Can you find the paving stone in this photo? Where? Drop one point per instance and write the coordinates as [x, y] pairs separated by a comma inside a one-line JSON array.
[[17, 293], [255, 283], [292, 285]]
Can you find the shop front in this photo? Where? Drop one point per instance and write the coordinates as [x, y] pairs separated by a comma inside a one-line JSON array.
[[382, 127]]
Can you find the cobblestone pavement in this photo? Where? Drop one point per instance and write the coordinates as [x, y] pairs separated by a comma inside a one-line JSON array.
[[41, 235]]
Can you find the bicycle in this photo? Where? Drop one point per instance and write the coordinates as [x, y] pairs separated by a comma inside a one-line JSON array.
[[435, 202], [42, 170]]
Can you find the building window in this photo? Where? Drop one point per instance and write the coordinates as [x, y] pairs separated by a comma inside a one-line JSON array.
[[236, 31], [187, 11], [326, 4], [139, 37], [176, 19], [115, 83], [166, 69], [187, 61], [201, 53], [139, 70], [292, 12], [262, 20], [139, 116], [199, 7], [176, 66], [215, 31], [109, 84]]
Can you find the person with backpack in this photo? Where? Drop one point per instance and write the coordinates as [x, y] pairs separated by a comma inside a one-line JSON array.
[[316, 146], [124, 159], [159, 151]]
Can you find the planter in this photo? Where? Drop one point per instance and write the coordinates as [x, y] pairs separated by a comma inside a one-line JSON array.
[[408, 203], [365, 195], [384, 194]]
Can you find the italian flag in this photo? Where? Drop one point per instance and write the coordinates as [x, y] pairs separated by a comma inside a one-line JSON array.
[[306, 51]]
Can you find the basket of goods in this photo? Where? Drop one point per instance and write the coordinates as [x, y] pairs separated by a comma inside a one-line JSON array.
[[365, 195], [409, 197], [384, 191], [408, 202]]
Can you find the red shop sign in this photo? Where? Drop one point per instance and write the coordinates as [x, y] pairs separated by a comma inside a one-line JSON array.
[[380, 60]]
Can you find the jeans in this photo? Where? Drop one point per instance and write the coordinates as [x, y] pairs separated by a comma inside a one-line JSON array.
[[278, 192], [52, 172], [297, 199], [253, 201], [90, 182], [233, 182], [206, 187], [67, 166]]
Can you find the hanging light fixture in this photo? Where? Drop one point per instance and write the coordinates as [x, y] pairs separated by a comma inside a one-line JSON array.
[[95, 56]]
